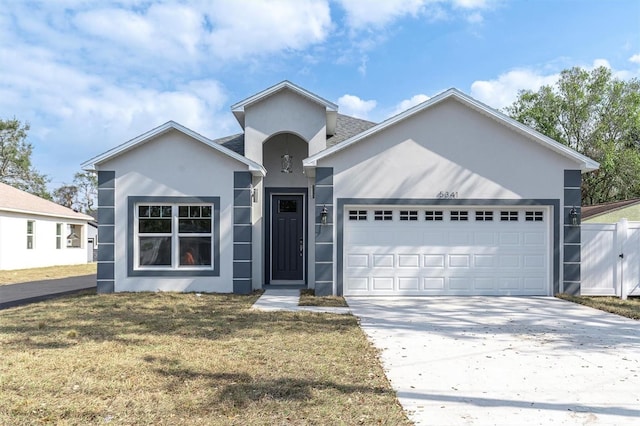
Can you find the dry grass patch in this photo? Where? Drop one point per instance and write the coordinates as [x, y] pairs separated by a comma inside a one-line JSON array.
[[308, 298], [48, 273], [166, 359], [629, 308]]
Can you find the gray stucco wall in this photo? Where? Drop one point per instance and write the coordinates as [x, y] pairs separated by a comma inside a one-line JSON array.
[[572, 240]]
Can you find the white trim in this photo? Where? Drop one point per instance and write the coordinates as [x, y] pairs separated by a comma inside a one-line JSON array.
[[91, 165], [586, 163]]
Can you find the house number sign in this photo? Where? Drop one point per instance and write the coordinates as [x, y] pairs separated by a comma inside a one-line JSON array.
[[447, 195]]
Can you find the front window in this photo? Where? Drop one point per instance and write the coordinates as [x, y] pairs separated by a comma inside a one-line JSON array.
[[173, 236]]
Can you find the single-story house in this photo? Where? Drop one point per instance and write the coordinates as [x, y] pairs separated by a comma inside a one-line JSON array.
[[612, 212], [35, 232], [449, 197]]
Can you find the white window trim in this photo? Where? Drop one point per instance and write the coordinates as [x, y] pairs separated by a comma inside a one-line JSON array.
[[175, 238]]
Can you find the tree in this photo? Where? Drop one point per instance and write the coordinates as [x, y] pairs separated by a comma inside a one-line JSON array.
[[597, 115], [66, 195], [80, 195], [15, 160], [87, 191]]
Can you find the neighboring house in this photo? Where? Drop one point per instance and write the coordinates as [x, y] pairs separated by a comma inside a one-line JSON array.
[[35, 232], [92, 241], [449, 197], [612, 212]]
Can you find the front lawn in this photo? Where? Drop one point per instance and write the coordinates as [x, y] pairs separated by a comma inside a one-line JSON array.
[[308, 298], [167, 359], [629, 308], [48, 273]]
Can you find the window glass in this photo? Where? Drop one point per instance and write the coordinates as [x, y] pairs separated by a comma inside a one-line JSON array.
[[509, 216], [155, 251], [431, 215], [74, 236], [162, 244], [287, 206], [408, 215], [383, 215], [58, 235], [357, 215], [30, 228], [195, 251], [461, 216]]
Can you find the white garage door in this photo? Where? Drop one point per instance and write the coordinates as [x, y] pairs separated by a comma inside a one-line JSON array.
[[446, 251]]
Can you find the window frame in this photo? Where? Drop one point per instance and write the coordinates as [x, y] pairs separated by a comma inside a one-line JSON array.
[[59, 226], [136, 270], [31, 234]]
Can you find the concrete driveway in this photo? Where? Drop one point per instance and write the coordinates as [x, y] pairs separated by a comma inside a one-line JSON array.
[[506, 360]]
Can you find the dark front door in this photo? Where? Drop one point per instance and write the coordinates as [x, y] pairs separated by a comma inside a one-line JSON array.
[[287, 238]]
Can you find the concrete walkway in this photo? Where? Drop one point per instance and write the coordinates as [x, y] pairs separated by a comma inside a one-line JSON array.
[[506, 360], [287, 300], [35, 291]]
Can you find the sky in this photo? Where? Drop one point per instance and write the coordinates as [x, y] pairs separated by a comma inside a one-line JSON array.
[[88, 75]]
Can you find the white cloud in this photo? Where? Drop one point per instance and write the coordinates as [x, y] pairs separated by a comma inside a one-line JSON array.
[[408, 103], [635, 58], [362, 14], [503, 91], [239, 31], [356, 107]]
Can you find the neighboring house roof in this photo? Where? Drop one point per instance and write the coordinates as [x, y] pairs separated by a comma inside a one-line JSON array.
[[586, 164], [166, 127], [18, 201], [604, 208], [330, 107]]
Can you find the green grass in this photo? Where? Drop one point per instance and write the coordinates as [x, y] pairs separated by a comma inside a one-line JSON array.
[[166, 359], [629, 308], [48, 273], [308, 298]]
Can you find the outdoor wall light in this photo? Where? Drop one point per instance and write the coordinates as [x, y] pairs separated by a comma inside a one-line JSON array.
[[573, 215], [323, 215]]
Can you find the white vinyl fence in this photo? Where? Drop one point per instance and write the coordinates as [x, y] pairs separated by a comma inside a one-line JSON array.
[[610, 259]]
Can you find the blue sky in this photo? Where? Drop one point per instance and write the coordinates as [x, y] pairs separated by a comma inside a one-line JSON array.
[[89, 75]]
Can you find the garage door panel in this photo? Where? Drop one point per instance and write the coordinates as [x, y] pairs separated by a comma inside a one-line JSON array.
[[382, 283], [408, 283], [357, 261], [442, 257], [383, 261], [459, 261], [408, 260]]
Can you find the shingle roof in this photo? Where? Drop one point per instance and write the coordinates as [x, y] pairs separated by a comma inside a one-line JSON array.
[[598, 209], [346, 127], [234, 142], [15, 200]]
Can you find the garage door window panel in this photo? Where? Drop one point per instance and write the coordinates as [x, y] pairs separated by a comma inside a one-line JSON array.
[[459, 216]]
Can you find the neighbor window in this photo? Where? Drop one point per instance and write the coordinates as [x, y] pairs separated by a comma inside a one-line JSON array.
[[74, 236], [30, 231], [58, 235], [174, 236]]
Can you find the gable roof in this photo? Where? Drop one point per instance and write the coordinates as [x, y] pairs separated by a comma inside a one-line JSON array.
[[586, 163], [330, 107], [604, 208], [18, 201], [91, 164]]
